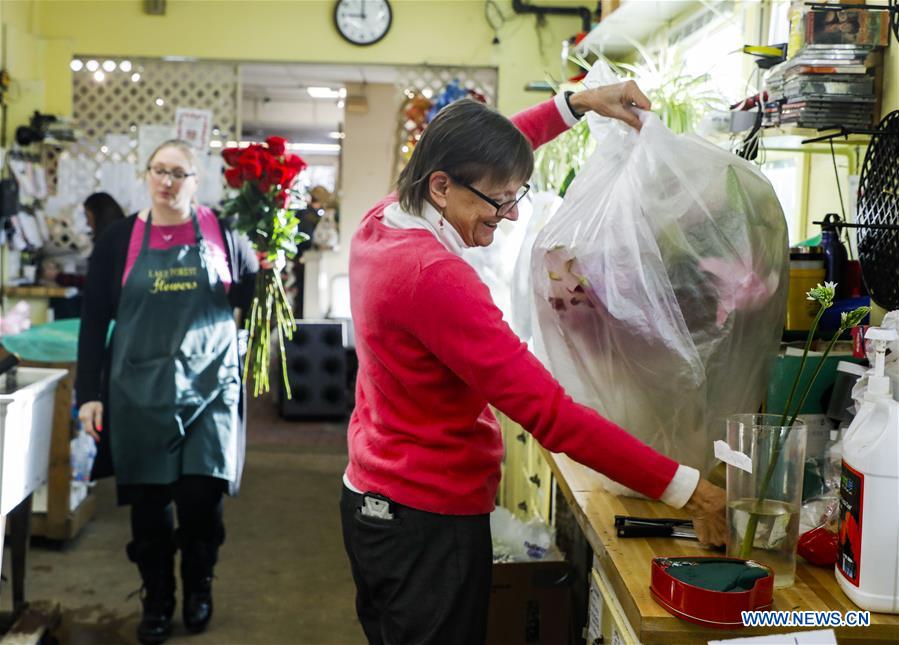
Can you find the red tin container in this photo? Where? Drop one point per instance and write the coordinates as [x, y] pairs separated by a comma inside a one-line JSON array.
[[721, 609]]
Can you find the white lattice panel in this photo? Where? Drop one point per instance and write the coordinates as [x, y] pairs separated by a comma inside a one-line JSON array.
[[480, 79], [430, 82], [120, 105]]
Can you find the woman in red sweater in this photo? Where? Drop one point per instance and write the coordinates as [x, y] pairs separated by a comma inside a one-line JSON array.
[[434, 351]]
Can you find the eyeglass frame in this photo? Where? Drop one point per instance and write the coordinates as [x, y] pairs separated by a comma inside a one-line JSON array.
[[497, 205], [162, 173]]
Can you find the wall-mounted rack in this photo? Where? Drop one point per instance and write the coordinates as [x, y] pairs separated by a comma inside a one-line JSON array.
[[840, 224], [847, 132]]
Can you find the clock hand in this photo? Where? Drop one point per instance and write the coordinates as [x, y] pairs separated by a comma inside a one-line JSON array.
[[363, 10]]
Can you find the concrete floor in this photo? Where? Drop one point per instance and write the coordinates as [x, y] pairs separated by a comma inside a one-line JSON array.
[[282, 578]]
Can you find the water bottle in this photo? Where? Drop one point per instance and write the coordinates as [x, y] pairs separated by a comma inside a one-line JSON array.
[[835, 256]]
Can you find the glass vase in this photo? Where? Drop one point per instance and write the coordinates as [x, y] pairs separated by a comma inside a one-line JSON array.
[[765, 499]]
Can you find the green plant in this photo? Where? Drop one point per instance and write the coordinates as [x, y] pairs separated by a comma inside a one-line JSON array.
[[677, 98], [556, 163]]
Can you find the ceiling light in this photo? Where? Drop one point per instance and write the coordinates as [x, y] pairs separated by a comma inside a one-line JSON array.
[[160, 102], [76, 65], [340, 105], [109, 65], [135, 77], [342, 93], [315, 148], [215, 144], [125, 66], [427, 92], [336, 135], [322, 92], [92, 66], [99, 76]]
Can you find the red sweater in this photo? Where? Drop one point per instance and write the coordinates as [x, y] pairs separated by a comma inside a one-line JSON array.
[[433, 351]]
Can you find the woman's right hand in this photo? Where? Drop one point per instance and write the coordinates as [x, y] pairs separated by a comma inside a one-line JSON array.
[[706, 507], [91, 417], [614, 101]]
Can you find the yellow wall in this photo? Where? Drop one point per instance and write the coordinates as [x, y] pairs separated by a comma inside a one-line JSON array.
[[891, 78], [24, 52], [369, 151], [438, 32]]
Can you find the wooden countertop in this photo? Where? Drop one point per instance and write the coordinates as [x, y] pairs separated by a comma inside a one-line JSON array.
[[37, 291], [626, 562]]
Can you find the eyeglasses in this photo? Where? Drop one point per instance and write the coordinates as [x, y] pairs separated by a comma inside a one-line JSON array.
[[502, 208], [177, 175]]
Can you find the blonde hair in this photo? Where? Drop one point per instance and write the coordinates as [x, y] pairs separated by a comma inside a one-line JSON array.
[[186, 148]]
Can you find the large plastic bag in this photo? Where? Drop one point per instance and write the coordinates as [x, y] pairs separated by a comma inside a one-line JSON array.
[[660, 286], [504, 265], [544, 205], [517, 541]]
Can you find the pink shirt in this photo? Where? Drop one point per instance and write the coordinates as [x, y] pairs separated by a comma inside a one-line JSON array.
[[433, 351], [165, 237]]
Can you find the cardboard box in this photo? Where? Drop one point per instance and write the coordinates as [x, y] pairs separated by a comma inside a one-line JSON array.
[[530, 603]]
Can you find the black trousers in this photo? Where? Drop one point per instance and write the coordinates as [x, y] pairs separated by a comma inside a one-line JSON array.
[[421, 578], [197, 501]]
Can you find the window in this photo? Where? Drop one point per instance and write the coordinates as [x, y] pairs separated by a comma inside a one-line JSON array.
[[784, 176]]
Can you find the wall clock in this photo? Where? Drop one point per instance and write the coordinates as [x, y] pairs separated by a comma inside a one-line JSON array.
[[363, 22]]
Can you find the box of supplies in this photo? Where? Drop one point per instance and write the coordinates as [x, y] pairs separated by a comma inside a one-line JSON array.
[[530, 602]]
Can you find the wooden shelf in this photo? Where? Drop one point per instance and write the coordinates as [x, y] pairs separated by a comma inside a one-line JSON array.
[[38, 291], [60, 522], [791, 138]]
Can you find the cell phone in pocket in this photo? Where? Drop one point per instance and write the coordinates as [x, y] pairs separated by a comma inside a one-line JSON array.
[[376, 507]]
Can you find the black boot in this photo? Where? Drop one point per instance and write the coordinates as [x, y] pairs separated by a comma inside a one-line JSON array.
[[197, 563], [156, 562]]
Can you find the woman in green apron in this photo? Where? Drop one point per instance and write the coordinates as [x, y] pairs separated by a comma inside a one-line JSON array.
[[166, 388]]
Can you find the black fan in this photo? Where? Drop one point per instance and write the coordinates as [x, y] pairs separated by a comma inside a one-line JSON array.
[[878, 214], [894, 17]]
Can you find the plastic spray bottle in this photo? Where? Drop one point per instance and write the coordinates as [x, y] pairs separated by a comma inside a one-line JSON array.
[[867, 566]]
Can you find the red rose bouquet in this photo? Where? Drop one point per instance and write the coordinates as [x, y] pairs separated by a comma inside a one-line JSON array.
[[263, 175]]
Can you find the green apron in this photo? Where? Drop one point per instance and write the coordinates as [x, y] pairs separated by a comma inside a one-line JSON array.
[[174, 379]]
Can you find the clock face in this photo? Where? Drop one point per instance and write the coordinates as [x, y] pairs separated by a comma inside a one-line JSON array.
[[363, 22]]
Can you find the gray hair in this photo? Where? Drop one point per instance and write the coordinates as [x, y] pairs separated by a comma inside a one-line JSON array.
[[469, 141]]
